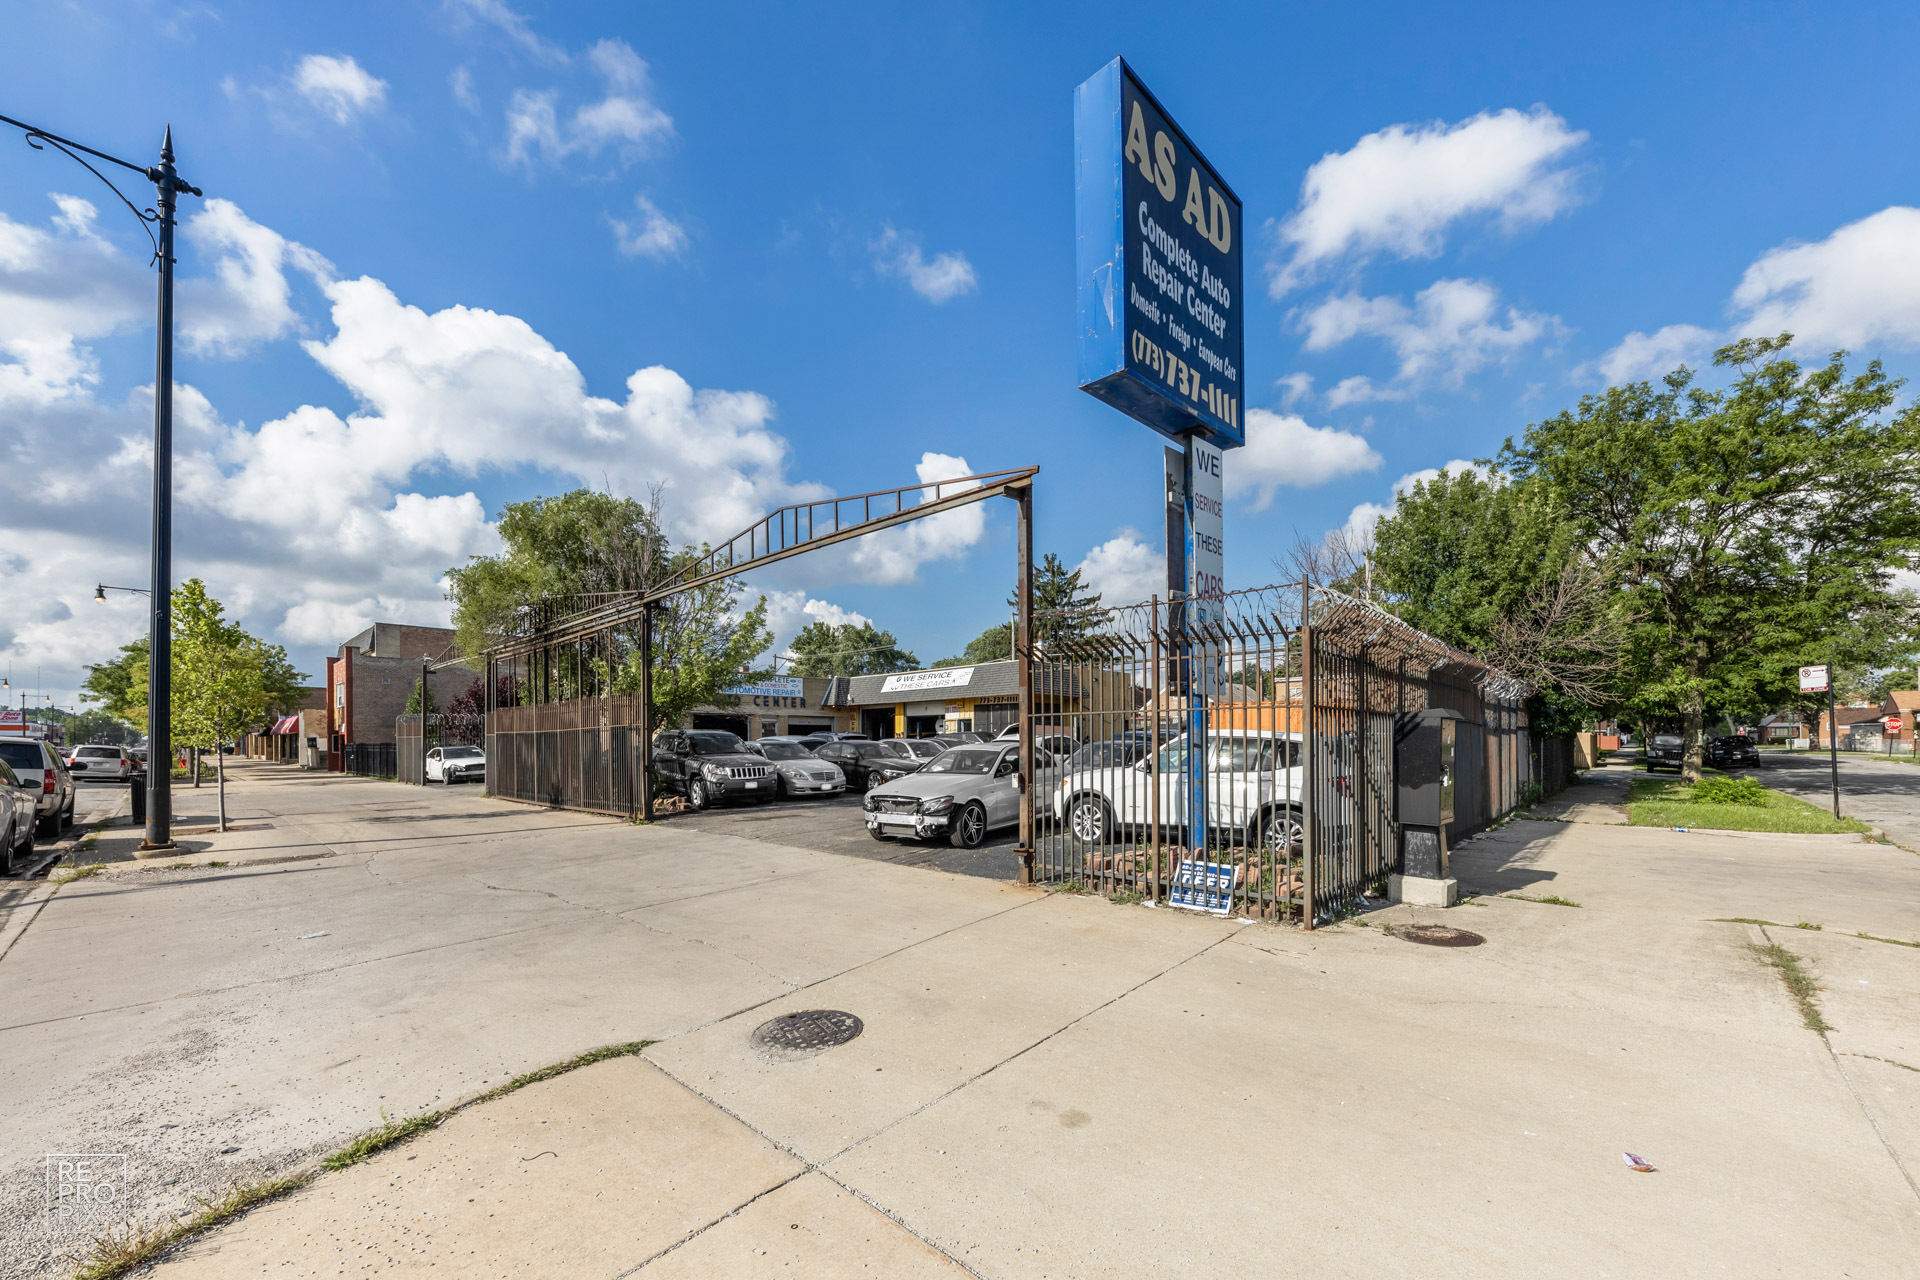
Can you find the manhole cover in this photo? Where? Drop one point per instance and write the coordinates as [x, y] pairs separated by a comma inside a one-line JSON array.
[[795, 1035], [1437, 935]]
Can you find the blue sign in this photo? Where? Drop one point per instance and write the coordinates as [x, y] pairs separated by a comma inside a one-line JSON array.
[[1158, 258], [1202, 886]]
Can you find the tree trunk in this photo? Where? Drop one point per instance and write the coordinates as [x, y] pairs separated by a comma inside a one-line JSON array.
[[193, 762], [220, 783], [1692, 711]]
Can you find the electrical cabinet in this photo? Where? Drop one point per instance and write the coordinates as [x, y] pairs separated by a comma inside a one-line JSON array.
[[1423, 767]]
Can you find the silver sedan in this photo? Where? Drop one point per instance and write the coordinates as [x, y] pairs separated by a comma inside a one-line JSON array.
[[799, 772], [961, 794]]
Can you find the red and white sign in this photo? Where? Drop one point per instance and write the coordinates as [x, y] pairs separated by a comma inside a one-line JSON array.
[[14, 719], [1893, 724], [1813, 679]]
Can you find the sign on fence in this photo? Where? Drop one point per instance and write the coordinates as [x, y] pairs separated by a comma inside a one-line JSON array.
[[1202, 886]]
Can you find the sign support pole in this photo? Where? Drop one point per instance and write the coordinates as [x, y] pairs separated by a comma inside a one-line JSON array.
[[1023, 647], [1196, 684], [1833, 742]]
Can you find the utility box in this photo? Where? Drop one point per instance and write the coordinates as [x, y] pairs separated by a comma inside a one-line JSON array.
[[1423, 767]]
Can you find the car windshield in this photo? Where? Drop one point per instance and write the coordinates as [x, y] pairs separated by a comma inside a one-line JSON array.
[[715, 743], [897, 747], [100, 753], [869, 750], [21, 755], [926, 750], [960, 760], [785, 751], [1666, 740], [1096, 754], [460, 753]]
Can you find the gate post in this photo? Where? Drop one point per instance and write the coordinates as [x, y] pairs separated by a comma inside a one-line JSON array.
[[1155, 692], [646, 711], [1310, 739], [1023, 650]]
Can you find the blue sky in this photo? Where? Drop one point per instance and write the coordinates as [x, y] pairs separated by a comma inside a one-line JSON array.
[[443, 235]]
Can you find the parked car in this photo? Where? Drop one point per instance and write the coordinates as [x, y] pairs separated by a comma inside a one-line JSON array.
[[900, 757], [95, 761], [1048, 739], [19, 815], [39, 765], [962, 795], [710, 765], [456, 764], [819, 737], [862, 760], [1733, 753], [1664, 751], [796, 770], [1123, 750], [1254, 789], [964, 737]]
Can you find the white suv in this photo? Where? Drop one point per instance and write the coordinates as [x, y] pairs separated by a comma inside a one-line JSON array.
[[39, 766], [1254, 788], [92, 761]]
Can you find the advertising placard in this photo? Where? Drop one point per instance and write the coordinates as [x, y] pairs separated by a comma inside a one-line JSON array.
[[914, 681], [1158, 258], [770, 687], [1813, 679], [1202, 886]]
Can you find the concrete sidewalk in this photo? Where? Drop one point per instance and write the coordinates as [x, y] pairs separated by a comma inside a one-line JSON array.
[[1046, 1085]]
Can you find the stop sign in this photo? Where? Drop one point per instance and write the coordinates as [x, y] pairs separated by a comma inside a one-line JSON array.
[[1893, 724]]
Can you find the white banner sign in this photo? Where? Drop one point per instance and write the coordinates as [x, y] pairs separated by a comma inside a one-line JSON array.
[[914, 681], [771, 687], [1813, 679]]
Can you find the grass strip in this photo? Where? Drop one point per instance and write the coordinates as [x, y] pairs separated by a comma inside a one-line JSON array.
[[1775, 924], [1799, 983], [112, 1256], [1654, 802], [67, 875], [1552, 899]]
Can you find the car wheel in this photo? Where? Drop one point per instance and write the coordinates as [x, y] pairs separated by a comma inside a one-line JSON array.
[[1090, 820], [969, 828], [697, 795], [7, 868], [1282, 833], [873, 782]]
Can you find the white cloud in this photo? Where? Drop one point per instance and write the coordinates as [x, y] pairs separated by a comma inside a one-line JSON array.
[[1360, 389], [653, 235], [790, 612], [318, 520], [895, 555], [338, 87], [460, 84], [1397, 191], [1294, 386], [1125, 570], [1860, 285], [940, 279], [1282, 449], [511, 24], [1641, 356], [1453, 328], [248, 298], [624, 120]]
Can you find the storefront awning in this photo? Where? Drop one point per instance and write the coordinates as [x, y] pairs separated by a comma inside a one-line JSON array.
[[286, 724]]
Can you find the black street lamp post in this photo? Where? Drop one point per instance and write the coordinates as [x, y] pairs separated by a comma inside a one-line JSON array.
[[167, 185]]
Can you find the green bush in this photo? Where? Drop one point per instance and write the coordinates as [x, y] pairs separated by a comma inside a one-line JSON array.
[[1747, 791]]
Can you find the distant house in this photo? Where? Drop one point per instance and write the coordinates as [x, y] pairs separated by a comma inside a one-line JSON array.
[[368, 683], [1853, 721], [1784, 726], [1904, 703]]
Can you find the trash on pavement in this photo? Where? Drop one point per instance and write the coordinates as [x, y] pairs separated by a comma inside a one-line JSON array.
[[1636, 1163]]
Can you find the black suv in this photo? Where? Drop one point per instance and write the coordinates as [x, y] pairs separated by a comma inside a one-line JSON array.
[[1733, 753], [710, 765], [1664, 752]]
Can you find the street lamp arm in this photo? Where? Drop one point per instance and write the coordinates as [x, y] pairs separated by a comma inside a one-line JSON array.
[[38, 139]]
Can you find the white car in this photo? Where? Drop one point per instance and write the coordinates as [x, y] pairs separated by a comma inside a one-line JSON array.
[[40, 768], [456, 764], [1254, 789], [91, 762], [19, 815]]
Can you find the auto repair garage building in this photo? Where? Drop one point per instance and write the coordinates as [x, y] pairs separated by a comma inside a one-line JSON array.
[[983, 698]]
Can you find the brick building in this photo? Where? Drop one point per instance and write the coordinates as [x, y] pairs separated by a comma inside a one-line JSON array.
[[375, 672]]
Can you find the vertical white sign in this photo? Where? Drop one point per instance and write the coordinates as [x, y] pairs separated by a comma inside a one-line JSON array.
[[1206, 526]]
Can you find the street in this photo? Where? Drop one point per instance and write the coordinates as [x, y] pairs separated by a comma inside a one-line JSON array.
[[1046, 1084], [1884, 793]]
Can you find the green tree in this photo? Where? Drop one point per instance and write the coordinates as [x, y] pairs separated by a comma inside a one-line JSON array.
[[585, 547], [823, 649], [1754, 528], [219, 678], [119, 685], [1065, 609]]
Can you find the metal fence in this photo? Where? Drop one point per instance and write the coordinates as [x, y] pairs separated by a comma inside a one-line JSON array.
[[415, 735], [582, 753], [1294, 695], [369, 759]]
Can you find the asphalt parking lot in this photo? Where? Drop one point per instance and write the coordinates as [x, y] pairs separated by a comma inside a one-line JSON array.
[[834, 824]]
